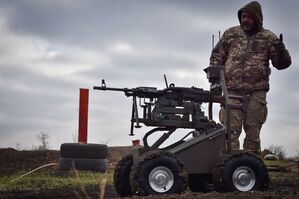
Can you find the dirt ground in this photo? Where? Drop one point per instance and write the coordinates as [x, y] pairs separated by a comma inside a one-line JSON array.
[[283, 184]]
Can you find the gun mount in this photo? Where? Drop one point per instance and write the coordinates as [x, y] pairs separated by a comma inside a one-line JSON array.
[[176, 107]]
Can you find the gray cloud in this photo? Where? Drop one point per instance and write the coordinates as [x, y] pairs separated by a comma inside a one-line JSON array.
[[49, 49]]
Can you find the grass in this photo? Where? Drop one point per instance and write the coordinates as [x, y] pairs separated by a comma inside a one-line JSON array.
[[286, 165], [51, 180]]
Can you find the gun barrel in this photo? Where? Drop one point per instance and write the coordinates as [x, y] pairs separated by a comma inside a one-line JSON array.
[[103, 88]]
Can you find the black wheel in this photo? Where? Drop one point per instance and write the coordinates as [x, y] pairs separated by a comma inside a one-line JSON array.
[[201, 183], [158, 172], [121, 177], [99, 165], [240, 171], [88, 151]]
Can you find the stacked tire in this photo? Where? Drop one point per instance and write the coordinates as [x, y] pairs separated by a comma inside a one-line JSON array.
[[85, 157]]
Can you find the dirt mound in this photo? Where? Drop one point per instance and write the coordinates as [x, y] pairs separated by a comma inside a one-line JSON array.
[[12, 160], [115, 154]]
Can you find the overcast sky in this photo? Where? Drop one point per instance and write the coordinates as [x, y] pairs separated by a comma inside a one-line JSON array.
[[49, 49]]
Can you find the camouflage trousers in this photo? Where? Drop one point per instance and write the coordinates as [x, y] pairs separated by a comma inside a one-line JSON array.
[[251, 120]]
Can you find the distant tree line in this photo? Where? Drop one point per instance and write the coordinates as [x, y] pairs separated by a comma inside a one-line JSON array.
[[277, 150]]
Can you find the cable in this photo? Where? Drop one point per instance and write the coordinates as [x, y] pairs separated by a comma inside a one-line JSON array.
[[47, 165]]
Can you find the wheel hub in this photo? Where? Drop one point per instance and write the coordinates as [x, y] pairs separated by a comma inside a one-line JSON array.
[[161, 179], [244, 178]]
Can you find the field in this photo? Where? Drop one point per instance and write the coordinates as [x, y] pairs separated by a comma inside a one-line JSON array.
[[49, 183]]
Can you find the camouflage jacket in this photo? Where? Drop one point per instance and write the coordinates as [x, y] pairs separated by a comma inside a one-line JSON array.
[[246, 58]]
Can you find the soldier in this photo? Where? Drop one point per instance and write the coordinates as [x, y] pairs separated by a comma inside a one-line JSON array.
[[245, 51]]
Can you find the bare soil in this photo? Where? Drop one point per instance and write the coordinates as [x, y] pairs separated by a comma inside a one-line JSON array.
[[283, 184]]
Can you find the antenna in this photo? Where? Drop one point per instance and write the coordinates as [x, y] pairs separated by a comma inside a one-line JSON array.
[[213, 39], [165, 79], [281, 37]]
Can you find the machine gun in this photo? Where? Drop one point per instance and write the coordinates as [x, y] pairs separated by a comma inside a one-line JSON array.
[[176, 107]]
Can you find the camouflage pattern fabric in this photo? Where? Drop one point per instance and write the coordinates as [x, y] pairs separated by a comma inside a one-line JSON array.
[[251, 120], [246, 58]]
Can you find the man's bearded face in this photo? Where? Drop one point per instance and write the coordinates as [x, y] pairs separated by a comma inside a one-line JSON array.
[[248, 23]]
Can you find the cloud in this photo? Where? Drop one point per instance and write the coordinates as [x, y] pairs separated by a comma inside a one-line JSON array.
[[50, 49]]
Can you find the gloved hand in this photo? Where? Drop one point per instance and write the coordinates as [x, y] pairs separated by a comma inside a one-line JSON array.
[[279, 47], [282, 60]]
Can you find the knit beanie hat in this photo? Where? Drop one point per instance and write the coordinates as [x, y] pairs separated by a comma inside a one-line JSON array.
[[255, 9]]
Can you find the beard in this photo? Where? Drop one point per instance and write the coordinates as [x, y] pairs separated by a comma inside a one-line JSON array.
[[249, 28]]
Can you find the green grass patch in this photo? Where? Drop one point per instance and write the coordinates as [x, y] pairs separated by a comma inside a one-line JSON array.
[[279, 163], [283, 165], [274, 162], [52, 180]]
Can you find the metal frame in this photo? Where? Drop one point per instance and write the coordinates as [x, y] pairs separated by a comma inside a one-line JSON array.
[[180, 107]]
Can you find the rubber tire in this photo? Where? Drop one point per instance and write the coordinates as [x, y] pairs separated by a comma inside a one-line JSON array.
[[121, 176], [229, 163], [150, 160], [98, 165], [88, 151], [201, 183]]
